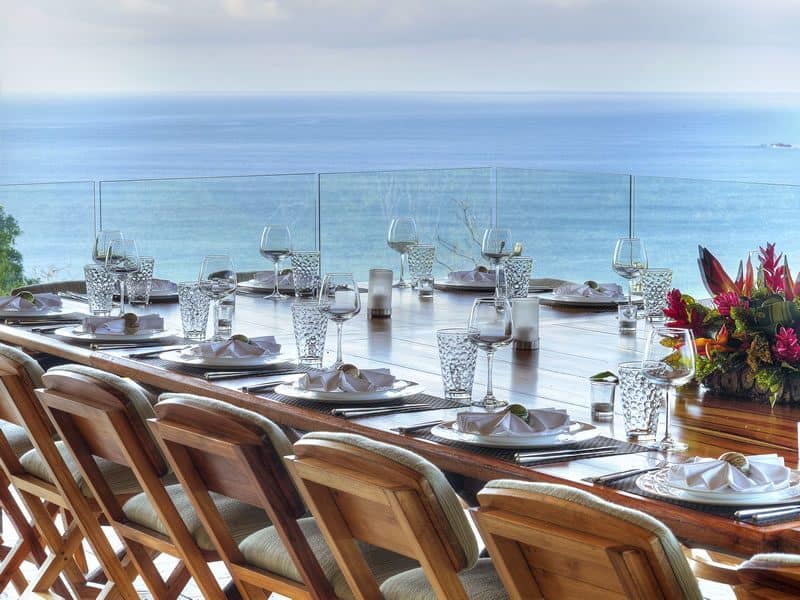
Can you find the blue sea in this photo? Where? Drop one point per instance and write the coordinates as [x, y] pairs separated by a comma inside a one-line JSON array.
[[188, 175]]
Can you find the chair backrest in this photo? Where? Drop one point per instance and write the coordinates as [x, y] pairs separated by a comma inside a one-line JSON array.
[[386, 496], [19, 375], [552, 541]]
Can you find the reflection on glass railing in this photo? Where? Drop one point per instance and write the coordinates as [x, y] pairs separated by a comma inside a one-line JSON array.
[[178, 221], [56, 227]]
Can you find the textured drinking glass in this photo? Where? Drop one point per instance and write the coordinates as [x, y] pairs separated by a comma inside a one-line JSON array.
[[194, 304], [305, 273], [140, 284], [420, 262], [655, 284], [99, 288], [626, 314], [457, 356], [641, 402], [310, 328], [518, 271]]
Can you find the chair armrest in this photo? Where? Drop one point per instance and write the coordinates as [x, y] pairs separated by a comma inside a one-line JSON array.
[[775, 571], [713, 566]]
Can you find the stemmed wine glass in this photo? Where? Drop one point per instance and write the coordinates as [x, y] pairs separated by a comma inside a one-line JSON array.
[[339, 301], [489, 329], [402, 235], [276, 244], [101, 243], [496, 247], [217, 279], [630, 260], [122, 259], [669, 361]]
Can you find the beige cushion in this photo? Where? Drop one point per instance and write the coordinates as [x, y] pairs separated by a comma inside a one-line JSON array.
[[481, 583], [17, 437], [120, 479], [242, 519], [462, 534], [669, 544], [772, 560], [265, 550], [35, 372]]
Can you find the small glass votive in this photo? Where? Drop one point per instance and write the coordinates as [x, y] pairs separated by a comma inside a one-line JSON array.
[[626, 313], [655, 287], [525, 323], [420, 262], [306, 274], [641, 402], [457, 357], [601, 400], [379, 296], [517, 271], [310, 328], [425, 287], [224, 311], [194, 306], [140, 283], [99, 289]]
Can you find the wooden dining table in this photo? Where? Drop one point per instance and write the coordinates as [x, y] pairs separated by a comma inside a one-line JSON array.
[[575, 344]]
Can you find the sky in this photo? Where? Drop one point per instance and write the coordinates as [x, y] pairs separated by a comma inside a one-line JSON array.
[[158, 46]]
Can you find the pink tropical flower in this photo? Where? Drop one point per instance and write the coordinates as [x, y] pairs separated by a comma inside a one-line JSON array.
[[786, 347], [725, 302]]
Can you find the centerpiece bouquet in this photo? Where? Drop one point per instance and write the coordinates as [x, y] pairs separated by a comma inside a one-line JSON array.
[[747, 341]]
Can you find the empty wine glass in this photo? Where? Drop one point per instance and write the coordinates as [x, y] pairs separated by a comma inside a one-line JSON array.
[[122, 259], [496, 247], [630, 260], [101, 243], [669, 361], [217, 279], [339, 301], [276, 244], [402, 235], [490, 328]]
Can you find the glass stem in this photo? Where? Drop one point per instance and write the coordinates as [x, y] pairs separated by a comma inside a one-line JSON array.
[[122, 296], [276, 291], [489, 365], [402, 267], [339, 342], [499, 284], [215, 316], [630, 294], [667, 417]]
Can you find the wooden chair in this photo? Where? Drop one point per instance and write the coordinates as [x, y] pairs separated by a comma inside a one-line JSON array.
[[361, 490], [217, 448], [77, 286], [769, 577], [100, 417]]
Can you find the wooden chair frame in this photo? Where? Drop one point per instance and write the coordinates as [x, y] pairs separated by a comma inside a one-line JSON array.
[[213, 452]]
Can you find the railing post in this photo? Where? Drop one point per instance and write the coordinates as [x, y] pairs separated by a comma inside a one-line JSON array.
[[631, 206]]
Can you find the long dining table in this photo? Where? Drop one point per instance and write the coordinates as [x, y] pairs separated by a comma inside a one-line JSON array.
[[575, 344]]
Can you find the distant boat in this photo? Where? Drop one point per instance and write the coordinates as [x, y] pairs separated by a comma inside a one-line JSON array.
[[780, 145]]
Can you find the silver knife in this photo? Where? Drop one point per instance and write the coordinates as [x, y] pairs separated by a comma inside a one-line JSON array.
[[419, 426], [612, 477], [750, 512], [261, 387], [776, 514], [531, 454], [385, 411], [535, 459], [217, 375]]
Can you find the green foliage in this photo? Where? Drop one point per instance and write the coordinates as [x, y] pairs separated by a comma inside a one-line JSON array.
[[758, 354], [771, 379], [11, 275]]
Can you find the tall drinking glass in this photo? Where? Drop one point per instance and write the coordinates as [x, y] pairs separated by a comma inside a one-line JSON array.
[[276, 244], [122, 259], [490, 328], [630, 260], [496, 247], [401, 236], [217, 279], [339, 301], [102, 242], [669, 361]]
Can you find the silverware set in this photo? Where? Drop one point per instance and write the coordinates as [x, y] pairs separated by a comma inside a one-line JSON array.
[[354, 412], [759, 515], [220, 375], [267, 386], [151, 353], [405, 430], [42, 322], [524, 458], [620, 475]]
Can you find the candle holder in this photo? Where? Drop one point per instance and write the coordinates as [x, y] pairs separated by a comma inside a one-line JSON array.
[[525, 316], [379, 296]]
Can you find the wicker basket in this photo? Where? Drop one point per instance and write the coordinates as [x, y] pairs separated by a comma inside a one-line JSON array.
[[741, 383]]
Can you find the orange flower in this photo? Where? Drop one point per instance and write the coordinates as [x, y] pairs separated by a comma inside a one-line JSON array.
[[705, 346]]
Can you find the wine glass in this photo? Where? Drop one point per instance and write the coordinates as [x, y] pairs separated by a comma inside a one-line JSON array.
[[496, 247], [101, 243], [122, 259], [489, 329], [276, 244], [669, 361], [630, 260], [339, 301], [402, 235], [217, 279]]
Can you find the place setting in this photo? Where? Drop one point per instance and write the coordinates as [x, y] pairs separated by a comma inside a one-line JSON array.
[[27, 308]]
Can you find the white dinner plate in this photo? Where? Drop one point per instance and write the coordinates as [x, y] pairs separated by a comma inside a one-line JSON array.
[[657, 483], [400, 389], [77, 334], [257, 285], [578, 432], [536, 285], [562, 300], [34, 314], [179, 357]]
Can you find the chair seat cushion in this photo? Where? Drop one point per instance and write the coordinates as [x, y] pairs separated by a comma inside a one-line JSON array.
[[242, 519], [120, 478], [17, 438], [264, 549], [481, 583]]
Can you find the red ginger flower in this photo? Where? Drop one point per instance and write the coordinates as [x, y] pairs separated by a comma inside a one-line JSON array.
[[773, 271], [725, 302], [679, 315], [786, 347]]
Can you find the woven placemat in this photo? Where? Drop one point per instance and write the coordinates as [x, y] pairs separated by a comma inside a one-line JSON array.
[[430, 402], [199, 371]]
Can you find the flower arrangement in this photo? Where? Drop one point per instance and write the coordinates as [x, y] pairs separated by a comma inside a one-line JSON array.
[[747, 342]]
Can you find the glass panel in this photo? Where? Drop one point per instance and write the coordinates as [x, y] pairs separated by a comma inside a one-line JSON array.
[[56, 221], [451, 209], [674, 216], [178, 221], [568, 222]]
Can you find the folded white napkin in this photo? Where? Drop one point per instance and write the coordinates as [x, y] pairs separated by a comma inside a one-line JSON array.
[[147, 324], [41, 302], [544, 420], [268, 278], [473, 276], [368, 380], [603, 290], [766, 474], [260, 346], [163, 285]]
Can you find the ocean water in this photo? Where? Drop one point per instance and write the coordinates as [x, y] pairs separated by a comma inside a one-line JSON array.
[[186, 176]]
